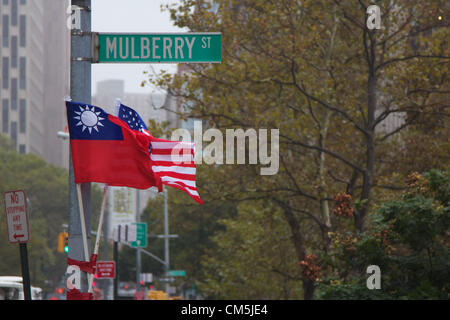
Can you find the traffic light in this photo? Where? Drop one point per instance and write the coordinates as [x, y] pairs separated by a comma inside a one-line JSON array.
[[63, 242], [66, 242]]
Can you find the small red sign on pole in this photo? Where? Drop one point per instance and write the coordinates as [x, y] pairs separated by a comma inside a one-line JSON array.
[[17, 216], [106, 269]]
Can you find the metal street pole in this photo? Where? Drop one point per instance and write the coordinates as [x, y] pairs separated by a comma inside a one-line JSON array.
[[80, 90], [108, 282], [138, 249], [166, 239], [116, 259], [25, 271]]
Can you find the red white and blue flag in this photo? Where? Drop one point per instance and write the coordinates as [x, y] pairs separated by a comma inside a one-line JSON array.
[[105, 150], [171, 161]]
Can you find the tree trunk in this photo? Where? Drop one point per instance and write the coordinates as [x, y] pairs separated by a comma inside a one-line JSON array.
[[367, 182], [324, 208], [308, 289], [370, 157], [323, 203], [297, 239]]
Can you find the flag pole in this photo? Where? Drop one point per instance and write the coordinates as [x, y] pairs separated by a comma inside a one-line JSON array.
[[83, 223], [99, 231]]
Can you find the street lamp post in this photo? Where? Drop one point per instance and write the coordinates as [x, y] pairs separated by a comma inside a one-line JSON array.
[[166, 238]]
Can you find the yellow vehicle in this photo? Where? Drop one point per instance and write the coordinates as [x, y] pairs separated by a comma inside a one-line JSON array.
[[157, 295]]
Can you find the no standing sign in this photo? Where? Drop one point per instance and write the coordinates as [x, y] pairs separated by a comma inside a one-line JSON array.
[[18, 232], [17, 216]]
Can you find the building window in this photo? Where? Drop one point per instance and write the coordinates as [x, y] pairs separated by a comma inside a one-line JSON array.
[[22, 149], [23, 73], [14, 51], [5, 72], [5, 115], [5, 31], [14, 11], [23, 30], [22, 116], [14, 133], [5, 2], [23, 1], [14, 93]]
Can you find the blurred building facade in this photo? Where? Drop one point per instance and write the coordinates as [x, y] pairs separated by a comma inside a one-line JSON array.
[[149, 106], [34, 79]]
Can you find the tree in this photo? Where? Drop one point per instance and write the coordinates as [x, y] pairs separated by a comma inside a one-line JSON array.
[[194, 226], [314, 71], [408, 240], [46, 188], [252, 258]]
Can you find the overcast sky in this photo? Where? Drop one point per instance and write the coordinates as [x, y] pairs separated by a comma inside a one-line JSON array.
[[129, 16]]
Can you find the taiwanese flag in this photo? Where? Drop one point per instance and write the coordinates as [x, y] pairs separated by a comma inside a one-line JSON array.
[[105, 152]]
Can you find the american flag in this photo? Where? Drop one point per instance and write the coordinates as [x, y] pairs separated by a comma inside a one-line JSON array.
[[172, 161]]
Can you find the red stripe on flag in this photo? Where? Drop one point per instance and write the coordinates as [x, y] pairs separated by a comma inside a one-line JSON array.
[[176, 152], [190, 164], [179, 187]]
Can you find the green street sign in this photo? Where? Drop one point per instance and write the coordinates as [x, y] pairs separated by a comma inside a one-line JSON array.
[[158, 47], [141, 235], [176, 273]]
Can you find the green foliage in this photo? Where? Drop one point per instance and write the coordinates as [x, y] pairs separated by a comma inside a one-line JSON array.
[[194, 225], [314, 71], [252, 258], [355, 290], [46, 188], [408, 240]]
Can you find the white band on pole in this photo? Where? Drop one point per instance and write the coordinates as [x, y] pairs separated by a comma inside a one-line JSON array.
[[83, 230], [83, 223]]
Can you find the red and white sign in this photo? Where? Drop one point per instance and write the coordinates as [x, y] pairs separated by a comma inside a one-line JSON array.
[[17, 216], [106, 269]]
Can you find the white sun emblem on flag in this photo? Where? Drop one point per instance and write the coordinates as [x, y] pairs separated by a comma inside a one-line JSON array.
[[89, 119]]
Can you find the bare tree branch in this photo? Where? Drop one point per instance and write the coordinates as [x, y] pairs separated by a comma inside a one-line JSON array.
[[329, 152], [420, 56]]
